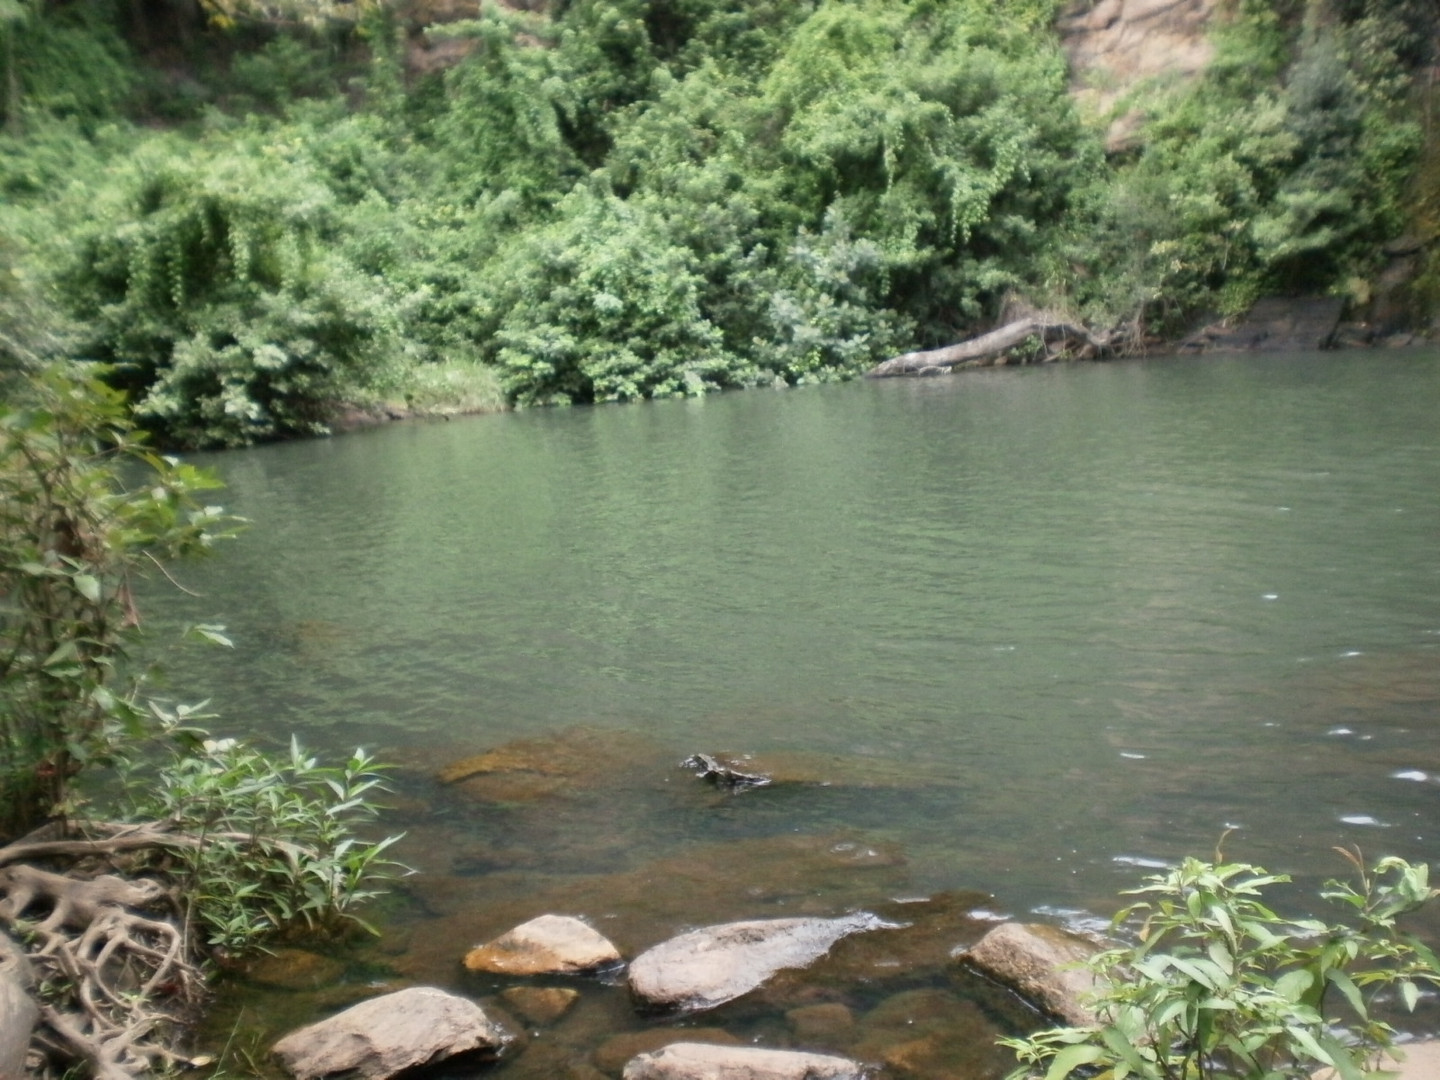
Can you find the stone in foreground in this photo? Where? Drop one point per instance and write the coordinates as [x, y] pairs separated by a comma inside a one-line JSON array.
[[548, 945], [387, 1035], [1039, 962], [716, 964], [699, 1061]]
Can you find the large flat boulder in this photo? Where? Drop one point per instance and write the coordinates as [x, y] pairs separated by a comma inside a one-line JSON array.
[[1040, 963], [547, 945], [699, 1061], [715, 964], [391, 1034]]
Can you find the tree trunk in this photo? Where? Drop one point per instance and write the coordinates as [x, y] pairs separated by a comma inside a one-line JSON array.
[[987, 345]]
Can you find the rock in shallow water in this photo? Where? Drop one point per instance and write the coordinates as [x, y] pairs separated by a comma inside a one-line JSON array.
[[548, 945], [1038, 961], [697, 1061], [390, 1034], [715, 964]]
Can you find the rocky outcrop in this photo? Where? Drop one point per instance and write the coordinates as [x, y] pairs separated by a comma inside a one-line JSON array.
[[1115, 44], [1275, 324], [548, 945], [1039, 962], [390, 1034], [698, 1061], [716, 964]]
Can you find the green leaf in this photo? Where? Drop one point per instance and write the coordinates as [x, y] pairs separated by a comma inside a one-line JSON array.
[[1293, 984], [1071, 1058], [88, 586], [1410, 994], [1346, 986]]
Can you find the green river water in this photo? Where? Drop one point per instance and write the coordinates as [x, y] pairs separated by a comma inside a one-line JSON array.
[[1030, 631]]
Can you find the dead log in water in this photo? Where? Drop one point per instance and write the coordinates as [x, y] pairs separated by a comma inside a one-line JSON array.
[[1047, 328]]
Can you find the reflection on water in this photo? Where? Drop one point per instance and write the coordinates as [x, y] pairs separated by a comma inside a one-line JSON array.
[[1085, 619]]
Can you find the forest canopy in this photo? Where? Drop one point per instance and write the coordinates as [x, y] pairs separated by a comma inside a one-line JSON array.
[[255, 212]]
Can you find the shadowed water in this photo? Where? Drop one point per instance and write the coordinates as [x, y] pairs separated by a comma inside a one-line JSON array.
[[1044, 627]]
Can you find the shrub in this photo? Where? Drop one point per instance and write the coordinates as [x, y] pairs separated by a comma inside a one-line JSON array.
[[1218, 984], [215, 291], [277, 852], [84, 509]]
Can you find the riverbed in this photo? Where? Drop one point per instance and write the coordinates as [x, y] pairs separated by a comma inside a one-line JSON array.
[[1020, 637]]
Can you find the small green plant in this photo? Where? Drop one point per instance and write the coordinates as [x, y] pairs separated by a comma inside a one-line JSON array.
[[1219, 985], [277, 851]]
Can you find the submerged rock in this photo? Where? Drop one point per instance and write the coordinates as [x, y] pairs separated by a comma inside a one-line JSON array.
[[716, 964], [929, 1032], [548, 945], [390, 1034], [540, 1004], [698, 1061], [827, 1022], [293, 969], [563, 763], [1039, 962]]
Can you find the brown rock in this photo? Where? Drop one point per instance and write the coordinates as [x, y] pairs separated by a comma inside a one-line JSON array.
[[387, 1035], [696, 1061], [615, 1051], [548, 945], [1038, 961], [540, 1004]]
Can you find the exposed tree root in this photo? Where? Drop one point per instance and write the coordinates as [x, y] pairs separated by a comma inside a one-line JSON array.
[[109, 952]]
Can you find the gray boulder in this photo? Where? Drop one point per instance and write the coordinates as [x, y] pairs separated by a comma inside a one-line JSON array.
[[18, 1011], [713, 965], [390, 1034], [1040, 962], [700, 1061]]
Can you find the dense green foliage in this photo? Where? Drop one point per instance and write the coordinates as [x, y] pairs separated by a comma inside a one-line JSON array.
[[1219, 985], [612, 199]]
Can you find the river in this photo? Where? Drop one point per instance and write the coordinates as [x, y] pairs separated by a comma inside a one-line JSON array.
[[1035, 630]]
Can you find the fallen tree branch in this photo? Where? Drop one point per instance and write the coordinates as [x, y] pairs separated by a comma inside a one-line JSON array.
[[996, 342]]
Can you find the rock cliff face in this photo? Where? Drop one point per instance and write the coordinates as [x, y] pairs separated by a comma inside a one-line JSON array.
[[1113, 44]]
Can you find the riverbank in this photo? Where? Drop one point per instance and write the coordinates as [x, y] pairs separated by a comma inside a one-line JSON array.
[[251, 221]]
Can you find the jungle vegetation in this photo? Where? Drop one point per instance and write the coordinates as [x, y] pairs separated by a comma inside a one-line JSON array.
[[254, 212]]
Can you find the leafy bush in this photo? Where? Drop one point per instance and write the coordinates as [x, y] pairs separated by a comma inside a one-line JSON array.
[[84, 509], [1218, 984], [277, 850], [215, 292]]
